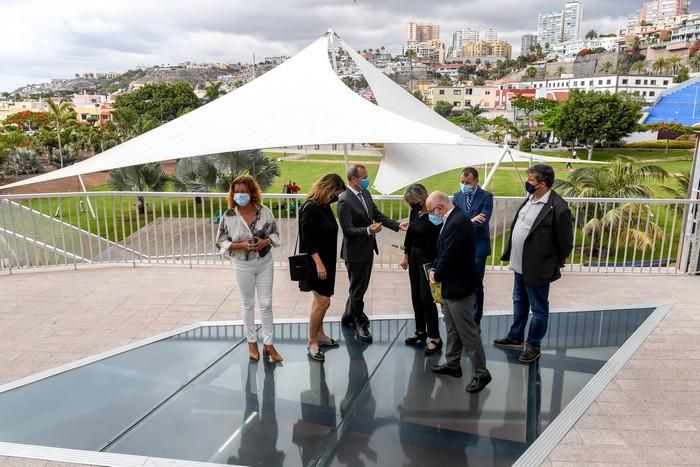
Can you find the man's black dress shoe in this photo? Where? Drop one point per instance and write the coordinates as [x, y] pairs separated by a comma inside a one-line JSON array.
[[478, 384], [445, 370]]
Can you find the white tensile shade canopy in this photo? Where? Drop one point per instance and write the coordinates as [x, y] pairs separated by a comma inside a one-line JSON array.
[[304, 102]]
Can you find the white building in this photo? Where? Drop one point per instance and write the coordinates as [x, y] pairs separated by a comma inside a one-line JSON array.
[[687, 31], [572, 17], [488, 35], [549, 28], [655, 10], [567, 51], [646, 87]]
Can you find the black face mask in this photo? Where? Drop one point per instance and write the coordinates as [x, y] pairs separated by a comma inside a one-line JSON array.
[[415, 206]]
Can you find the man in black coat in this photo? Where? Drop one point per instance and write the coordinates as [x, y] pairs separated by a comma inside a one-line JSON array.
[[455, 269], [541, 238], [360, 220]]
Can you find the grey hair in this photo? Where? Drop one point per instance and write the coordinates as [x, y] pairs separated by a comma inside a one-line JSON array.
[[353, 169], [416, 192]]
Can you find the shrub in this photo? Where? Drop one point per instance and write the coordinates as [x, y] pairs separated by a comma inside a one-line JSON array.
[[661, 144], [526, 144], [22, 161]]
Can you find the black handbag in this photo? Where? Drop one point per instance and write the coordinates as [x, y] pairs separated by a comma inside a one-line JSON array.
[[301, 266]]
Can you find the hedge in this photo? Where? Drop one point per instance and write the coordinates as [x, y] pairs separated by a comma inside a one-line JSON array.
[[661, 144]]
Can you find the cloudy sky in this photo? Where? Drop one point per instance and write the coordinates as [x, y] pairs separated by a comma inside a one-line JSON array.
[[44, 39]]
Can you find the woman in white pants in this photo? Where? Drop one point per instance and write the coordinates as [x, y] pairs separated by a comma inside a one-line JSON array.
[[248, 231]]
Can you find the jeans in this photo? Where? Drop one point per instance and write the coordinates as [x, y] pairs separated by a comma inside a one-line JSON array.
[[526, 297], [256, 275], [479, 302]]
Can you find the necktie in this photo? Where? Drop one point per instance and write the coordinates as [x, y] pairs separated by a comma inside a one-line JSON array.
[[469, 202], [362, 200]]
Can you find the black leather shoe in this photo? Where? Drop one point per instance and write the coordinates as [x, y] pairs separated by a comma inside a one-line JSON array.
[[363, 334], [507, 343], [530, 354], [416, 338], [478, 384], [445, 370]]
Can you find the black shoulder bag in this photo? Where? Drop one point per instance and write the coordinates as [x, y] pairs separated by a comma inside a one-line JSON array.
[[301, 266]]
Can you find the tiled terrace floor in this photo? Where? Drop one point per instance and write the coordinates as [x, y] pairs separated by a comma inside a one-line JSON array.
[[649, 414]]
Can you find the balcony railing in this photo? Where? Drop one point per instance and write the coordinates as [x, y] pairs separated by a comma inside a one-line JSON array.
[[643, 236]]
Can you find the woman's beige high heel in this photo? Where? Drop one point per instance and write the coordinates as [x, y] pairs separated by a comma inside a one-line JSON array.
[[271, 352], [253, 350]]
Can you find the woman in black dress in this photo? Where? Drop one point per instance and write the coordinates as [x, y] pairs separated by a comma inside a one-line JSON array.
[[420, 248], [318, 237]]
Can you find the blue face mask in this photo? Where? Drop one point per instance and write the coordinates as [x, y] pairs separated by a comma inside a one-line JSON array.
[[466, 189], [241, 199], [435, 219], [530, 188], [364, 183]]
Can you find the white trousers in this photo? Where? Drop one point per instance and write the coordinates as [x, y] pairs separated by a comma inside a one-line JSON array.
[[256, 275]]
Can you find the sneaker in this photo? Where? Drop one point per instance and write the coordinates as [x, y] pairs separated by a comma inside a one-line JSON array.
[[508, 343], [530, 354]]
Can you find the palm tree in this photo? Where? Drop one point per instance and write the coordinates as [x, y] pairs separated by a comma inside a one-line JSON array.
[[213, 91], [639, 67], [410, 54], [592, 34], [619, 180], [674, 62], [62, 114], [216, 172], [694, 61], [145, 177], [682, 183], [607, 67], [660, 65]]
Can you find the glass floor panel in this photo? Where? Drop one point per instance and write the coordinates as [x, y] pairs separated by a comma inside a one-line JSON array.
[[197, 396]]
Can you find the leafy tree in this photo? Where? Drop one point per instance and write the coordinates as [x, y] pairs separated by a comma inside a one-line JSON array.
[[418, 95], [526, 144], [669, 129], [592, 118], [215, 173], [524, 103], [443, 108], [592, 34], [145, 177], [160, 102], [28, 120], [531, 72], [683, 74]]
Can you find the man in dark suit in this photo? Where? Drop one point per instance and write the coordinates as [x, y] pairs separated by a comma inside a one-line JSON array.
[[455, 269], [360, 220], [478, 205], [541, 238]]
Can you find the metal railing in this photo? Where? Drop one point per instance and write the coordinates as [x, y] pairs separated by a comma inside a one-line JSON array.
[[649, 236]]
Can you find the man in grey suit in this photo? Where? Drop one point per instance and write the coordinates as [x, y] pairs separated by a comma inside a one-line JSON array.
[[360, 220]]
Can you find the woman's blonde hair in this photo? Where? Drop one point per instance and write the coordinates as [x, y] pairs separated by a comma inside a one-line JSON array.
[[253, 189], [325, 189], [416, 193]]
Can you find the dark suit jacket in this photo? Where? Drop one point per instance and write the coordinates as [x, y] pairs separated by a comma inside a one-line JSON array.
[[548, 244], [358, 245], [454, 264], [482, 203]]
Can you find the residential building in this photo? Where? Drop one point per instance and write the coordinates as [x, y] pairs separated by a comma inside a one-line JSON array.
[[451, 70], [568, 51], [686, 32], [422, 32], [8, 107], [489, 35], [549, 28], [479, 49], [646, 87], [572, 16], [655, 10], [463, 96], [527, 42], [433, 50]]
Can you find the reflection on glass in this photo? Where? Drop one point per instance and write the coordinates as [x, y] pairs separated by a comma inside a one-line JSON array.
[[259, 431]]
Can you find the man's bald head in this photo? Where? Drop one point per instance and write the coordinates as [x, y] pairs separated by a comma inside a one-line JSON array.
[[438, 201]]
